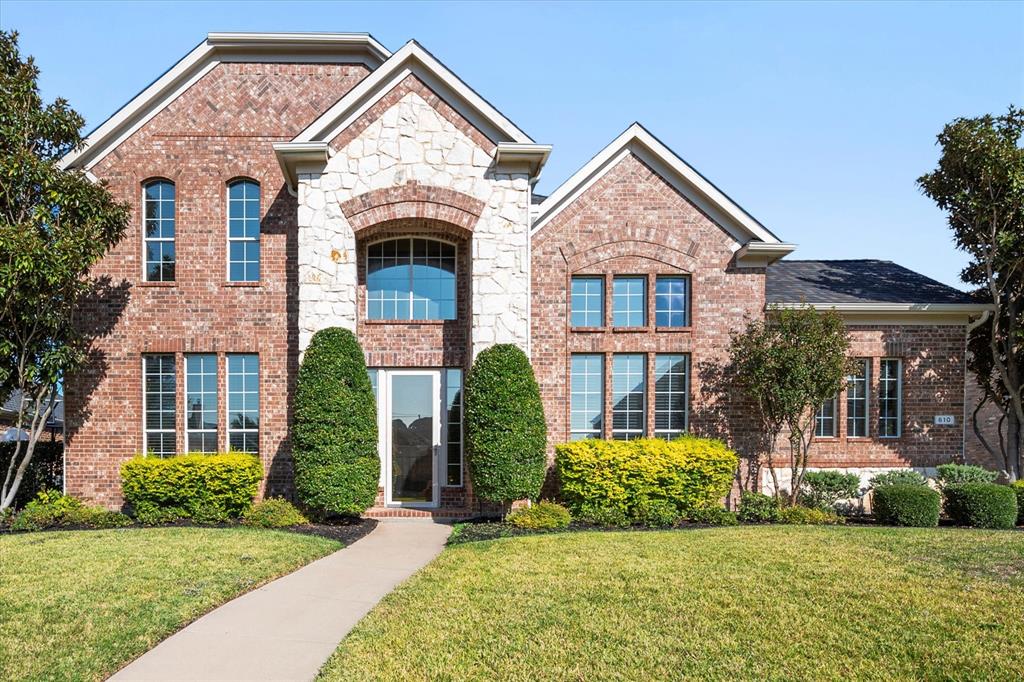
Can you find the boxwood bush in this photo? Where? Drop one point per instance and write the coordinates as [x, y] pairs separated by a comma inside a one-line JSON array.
[[757, 508], [655, 513], [1018, 487], [690, 473], [904, 504], [541, 516], [982, 505], [958, 474], [898, 477], [506, 435], [822, 489], [334, 434], [203, 487]]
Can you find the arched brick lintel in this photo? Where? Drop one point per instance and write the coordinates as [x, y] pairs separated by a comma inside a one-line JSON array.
[[412, 200], [658, 252]]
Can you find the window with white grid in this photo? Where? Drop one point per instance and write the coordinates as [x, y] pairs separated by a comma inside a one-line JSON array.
[[890, 400], [629, 301], [586, 396], [629, 372], [243, 231], [587, 301], [159, 386], [158, 210], [825, 419], [201, 403], [244, 402], [671, 394], [671, 301], [857, 399]]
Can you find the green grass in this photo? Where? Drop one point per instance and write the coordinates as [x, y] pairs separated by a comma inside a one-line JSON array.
[[78, 605], [729, 603]]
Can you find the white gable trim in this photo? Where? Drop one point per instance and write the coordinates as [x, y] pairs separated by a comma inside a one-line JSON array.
[[637, 140], [339, 48], [412, 60]]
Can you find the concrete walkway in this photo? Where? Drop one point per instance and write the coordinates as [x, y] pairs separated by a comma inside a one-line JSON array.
[[288, 628]]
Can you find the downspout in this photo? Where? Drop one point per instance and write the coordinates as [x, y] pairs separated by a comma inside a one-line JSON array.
[[971, 326]]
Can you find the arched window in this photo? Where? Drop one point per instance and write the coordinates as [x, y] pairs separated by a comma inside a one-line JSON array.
[[410, 279], [243, 231], [158, 230]]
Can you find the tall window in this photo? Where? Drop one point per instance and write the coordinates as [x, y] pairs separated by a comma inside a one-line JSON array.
[[671, 302], [453, 406], [244, 402], [825, 420], [629, 301], [243, 231], [158, 397], [671, 391], [857, 400], [586, 399], [201, 403], [628, 396], [587, 301], [158, 230], [410, 279], [890, 403]]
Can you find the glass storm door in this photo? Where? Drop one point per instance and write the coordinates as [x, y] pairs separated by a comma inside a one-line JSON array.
[[412, 437]]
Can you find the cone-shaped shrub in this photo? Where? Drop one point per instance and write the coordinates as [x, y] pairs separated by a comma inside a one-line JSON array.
[[505, 431], [335, 426]]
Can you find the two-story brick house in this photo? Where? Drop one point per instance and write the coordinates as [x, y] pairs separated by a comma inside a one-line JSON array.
[[284, 183]]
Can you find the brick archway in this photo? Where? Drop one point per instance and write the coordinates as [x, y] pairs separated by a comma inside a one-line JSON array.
[[412, 200], [585, 258]]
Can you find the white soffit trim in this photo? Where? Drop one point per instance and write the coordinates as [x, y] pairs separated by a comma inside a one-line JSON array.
[[412, 59], [291, 155], [358, 48], [637, 140]]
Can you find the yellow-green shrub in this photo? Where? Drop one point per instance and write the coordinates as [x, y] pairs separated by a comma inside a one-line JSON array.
[[199, 486], [689, 472]]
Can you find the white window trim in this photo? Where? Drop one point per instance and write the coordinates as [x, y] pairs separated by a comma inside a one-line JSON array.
[[868, 366], [216, 394], [227, 402], [246, 240], [588, 433], [630, 433], [145, 407], [899, 397], [366, 271], [672, 433], [643, 302], [600, 279], [146, 240]]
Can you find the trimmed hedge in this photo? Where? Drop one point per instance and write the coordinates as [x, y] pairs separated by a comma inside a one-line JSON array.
[[982, 505], [691, 473], [958, 474], [1018, 487], [334, 435], [822, 489], [206, 488], [44, 472], [906, 504], [506, 434], [757, 508], [541, 516]]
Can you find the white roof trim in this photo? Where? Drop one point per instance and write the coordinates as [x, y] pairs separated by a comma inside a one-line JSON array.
[[637, 140], [412, 59], [869, 307], [290, 155], [218, 48]]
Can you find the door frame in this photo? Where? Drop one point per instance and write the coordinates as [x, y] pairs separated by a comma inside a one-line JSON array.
[[386, 435]]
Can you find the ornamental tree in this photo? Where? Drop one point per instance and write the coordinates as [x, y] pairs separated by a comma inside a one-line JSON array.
[[979, 182], [55, 224], [790, 363]]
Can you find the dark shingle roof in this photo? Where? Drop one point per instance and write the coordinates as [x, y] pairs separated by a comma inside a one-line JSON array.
[[854, 281], [537, 198]]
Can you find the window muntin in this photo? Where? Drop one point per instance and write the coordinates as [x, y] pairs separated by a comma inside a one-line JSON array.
[[587, 301], [201, 403], [243, 402], [453, 408], [410, 279], [671, 301], [629, 301], [857, 400], [243, 231], [890, 399], [159, 386], [586, 396], [629, 372], [825, 420], [671, 394], [158, 212]]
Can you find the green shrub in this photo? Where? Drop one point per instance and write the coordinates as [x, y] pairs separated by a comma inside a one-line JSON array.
[[609, 517], [273, 512], [822, 489], [506, 434], [655, 513], [541, 516], [898, 477], [808, 516], [337, 467], [982, 505], [758, 508], [714, 516], [51, 509], [206, 488], [44, 472], [958, 474], [906, 504], [690, 473], [1018, 487]]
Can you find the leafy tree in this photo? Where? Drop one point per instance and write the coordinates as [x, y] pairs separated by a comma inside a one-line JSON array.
[[506, 434], [334, 434], [979, 182], [54, 226], [790, 363]]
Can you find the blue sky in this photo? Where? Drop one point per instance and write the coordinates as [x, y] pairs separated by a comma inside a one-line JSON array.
[[816, 118]]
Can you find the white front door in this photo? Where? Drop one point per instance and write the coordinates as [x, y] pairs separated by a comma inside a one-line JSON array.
[[411, 436]]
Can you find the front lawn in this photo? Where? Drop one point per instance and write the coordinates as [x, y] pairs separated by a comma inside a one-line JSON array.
[[78, 605], [719, 603]]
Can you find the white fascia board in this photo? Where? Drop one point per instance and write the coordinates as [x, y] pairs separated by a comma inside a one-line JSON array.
[[512, 156], [218, 48], [760, 254], [413, 60], [965, 308], [637, 140], [290, 155]]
